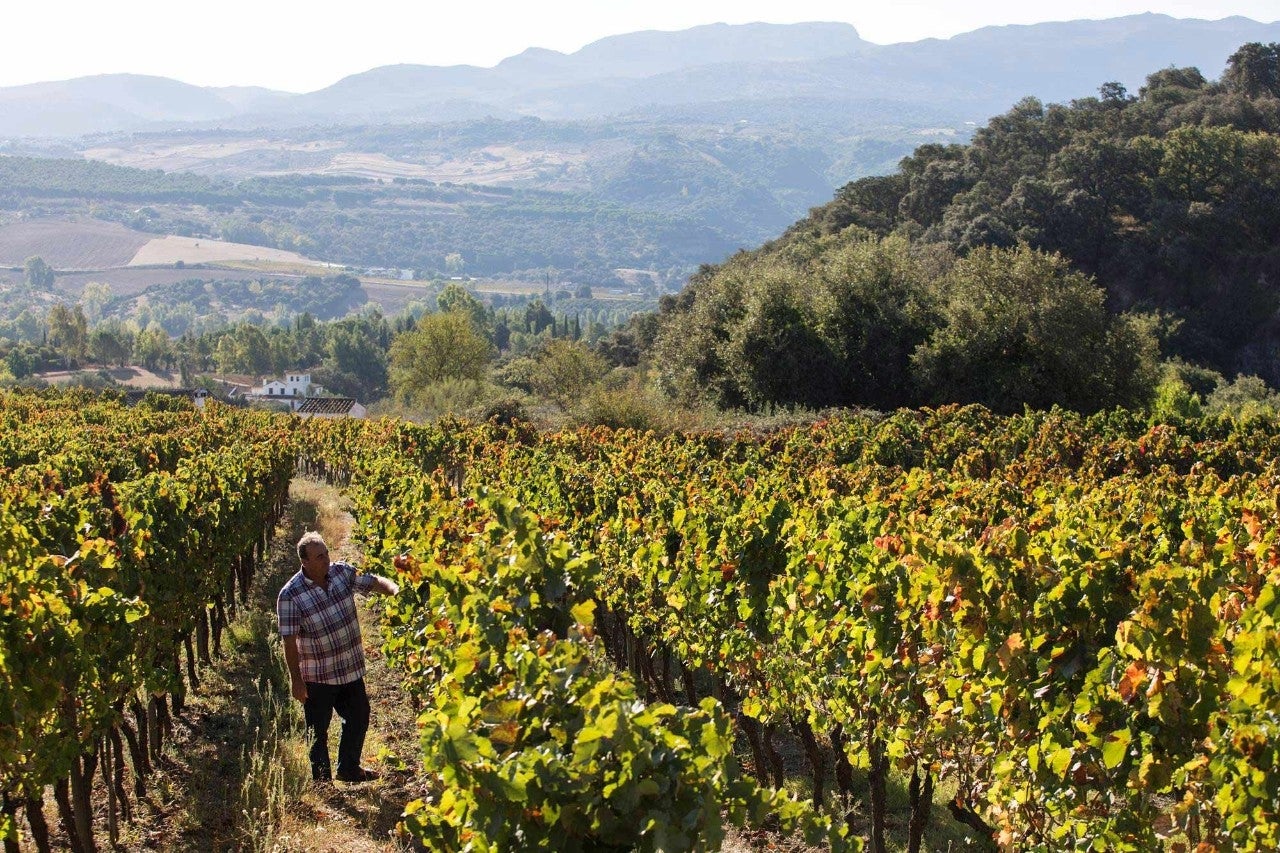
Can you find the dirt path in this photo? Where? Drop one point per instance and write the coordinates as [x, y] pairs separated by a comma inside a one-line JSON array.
[[337, 817]]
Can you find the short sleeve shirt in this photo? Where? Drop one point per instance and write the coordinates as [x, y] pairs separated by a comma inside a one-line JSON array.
[[324, 621]]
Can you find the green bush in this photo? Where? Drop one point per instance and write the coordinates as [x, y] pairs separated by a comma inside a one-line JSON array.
[[631, 406]]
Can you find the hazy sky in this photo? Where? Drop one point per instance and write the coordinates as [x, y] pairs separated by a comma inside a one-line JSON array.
[[303, 46]]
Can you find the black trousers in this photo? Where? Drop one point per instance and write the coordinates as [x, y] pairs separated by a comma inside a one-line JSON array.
[[352, 704]]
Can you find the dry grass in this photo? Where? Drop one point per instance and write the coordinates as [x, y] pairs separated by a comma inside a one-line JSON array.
[[287, 269], [322, 508], [201, 250], [131, 377]]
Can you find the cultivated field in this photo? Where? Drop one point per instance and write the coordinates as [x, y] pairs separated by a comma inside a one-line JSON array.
[[131, 262], [497, 165], [493, 165], [237, 157], [80, 244], [198, 250], [91, 244]]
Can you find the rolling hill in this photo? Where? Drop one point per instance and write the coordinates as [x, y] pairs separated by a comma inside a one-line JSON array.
[[968, 77]]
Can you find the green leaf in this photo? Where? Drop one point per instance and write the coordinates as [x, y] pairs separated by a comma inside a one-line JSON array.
[[1115, 747], [584, 613], [1266, 596], [459, 743], [1060, 760], [716, 743], [515, 790]]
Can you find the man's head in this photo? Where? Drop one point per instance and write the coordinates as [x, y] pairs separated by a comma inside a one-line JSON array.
[[311, 546]]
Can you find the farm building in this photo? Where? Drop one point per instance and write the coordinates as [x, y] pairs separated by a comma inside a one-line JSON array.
[[293, 389]]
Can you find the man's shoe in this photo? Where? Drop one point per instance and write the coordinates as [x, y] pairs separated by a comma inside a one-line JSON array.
[[360, 774]]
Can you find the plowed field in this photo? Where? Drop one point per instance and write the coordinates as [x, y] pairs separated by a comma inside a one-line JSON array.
[[70, 245]]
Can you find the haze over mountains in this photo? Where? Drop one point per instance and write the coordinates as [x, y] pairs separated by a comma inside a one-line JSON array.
[[761, 73]]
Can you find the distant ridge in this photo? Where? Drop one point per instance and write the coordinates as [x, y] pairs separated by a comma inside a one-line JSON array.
[[967, 77], [105, 102]]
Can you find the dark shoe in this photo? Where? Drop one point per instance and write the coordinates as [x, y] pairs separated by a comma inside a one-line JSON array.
[[360, 774], [320, 774]]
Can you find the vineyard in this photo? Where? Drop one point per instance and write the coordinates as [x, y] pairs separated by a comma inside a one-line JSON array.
[[1066, 624], [128, 538]]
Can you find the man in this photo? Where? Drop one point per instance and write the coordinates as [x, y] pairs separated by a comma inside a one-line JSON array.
[[325, 654]]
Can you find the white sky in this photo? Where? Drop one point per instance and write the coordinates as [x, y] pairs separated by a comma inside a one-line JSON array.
[[302, 46]]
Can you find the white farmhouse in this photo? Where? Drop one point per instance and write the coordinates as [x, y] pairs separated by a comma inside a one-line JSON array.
[[293, 389]]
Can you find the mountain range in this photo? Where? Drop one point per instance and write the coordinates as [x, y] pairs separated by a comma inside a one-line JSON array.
[[755, 72]]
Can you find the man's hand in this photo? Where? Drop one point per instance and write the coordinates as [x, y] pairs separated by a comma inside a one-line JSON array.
[[299, 689], [386, 586]]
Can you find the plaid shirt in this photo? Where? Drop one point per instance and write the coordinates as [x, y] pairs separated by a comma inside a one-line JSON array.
[[324, 621]]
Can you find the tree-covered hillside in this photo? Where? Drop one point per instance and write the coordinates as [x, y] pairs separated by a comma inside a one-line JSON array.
[[1170, 198], [1041, 263]]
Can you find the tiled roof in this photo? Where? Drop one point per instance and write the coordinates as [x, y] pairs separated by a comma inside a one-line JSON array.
[[326, 406]]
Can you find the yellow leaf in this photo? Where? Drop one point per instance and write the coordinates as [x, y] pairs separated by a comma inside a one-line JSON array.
[[584, 613]]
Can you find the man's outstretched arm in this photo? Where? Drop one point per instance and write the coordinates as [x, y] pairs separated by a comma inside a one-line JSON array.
[[298, 686], [384, 586]]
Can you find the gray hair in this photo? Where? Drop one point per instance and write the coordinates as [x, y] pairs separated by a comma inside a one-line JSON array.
[[309, 538]]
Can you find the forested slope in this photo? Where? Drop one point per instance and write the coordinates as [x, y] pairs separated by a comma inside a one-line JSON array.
[[1043, 262]]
